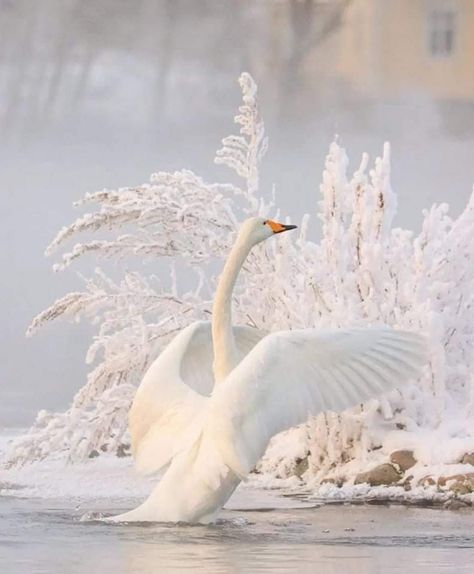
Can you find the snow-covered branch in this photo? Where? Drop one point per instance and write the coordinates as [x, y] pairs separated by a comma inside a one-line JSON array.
[[244, 152], [363, 271]]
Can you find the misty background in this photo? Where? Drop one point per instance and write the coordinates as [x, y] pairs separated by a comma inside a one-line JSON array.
[[102, 94]]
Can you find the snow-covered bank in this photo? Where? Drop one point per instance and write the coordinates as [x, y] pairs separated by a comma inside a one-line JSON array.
[[113, 480], [109, 477], [109, 481], [425, 464]]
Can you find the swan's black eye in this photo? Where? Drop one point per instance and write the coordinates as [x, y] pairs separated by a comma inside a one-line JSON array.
[[265, 222]]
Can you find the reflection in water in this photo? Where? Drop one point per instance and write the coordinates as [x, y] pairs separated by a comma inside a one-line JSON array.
[[103, 93], [41, 536]]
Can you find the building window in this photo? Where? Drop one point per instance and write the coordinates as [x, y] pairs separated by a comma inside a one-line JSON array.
[[441, 32]]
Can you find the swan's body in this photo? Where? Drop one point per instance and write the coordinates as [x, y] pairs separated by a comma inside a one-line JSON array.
[[261, 384]]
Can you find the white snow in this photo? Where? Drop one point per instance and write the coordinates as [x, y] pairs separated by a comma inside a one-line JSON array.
[[362, 272]]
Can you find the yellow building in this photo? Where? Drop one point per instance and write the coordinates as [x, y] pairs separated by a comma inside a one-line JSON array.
[[389, 47]]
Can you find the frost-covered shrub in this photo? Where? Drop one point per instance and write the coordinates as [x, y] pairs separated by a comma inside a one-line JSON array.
[[177, 221], [362, 271]]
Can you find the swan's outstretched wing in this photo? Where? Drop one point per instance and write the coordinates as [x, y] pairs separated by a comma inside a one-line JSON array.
[[173, 393], [291, 375]]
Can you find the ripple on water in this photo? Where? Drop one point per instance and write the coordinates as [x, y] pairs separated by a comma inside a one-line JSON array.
[[252, 541]]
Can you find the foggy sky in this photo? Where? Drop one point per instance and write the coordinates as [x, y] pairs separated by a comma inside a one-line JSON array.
[[102, 94]]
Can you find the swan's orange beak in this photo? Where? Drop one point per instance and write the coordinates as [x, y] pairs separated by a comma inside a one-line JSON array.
[[279, 227]]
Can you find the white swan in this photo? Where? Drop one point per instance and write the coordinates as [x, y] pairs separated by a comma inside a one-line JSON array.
[[261, 384]]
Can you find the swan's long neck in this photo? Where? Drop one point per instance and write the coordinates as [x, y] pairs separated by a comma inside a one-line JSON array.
[[225, 351]]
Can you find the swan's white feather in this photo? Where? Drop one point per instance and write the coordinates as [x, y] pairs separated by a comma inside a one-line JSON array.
[[165, 414], [268, 385], [291, 375]]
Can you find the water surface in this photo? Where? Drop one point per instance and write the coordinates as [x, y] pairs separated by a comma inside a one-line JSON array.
[[38, 536]]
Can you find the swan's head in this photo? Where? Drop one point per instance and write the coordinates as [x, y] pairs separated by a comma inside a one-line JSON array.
[[256, 229]]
